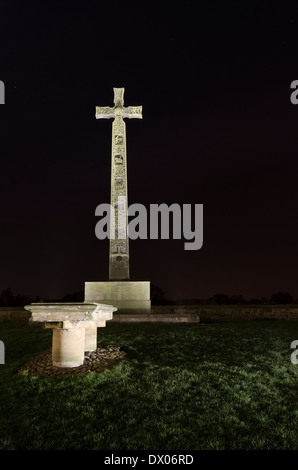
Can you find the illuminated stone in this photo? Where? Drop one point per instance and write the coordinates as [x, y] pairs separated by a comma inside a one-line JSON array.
[[74, 328], [119, 266], [126, 295]]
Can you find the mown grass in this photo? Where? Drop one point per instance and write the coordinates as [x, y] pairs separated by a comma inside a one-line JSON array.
[[180, 387]]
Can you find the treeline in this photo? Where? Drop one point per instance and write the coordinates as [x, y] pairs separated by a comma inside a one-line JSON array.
[[9, 299], [158, 298], [224, 299]]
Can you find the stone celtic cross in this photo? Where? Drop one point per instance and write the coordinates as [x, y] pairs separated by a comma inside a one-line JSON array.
[[119, 246]]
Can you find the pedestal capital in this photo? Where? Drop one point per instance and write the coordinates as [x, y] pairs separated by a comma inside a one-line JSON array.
[[70, 313]]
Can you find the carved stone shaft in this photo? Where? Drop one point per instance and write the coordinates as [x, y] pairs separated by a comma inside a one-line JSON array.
[[119, 246]]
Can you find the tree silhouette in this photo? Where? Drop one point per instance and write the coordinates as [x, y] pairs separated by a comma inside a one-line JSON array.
[[220, 299], [7, 298], [282, 298], [157, 295]]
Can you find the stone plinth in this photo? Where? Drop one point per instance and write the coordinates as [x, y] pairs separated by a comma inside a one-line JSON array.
[[74, 328], [68, 347], [127, 296]]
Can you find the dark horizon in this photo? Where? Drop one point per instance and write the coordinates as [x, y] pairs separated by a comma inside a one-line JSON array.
[[8, 298], [218, 129]]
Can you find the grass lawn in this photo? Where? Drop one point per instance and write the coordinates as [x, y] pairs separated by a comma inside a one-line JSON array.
[[180, 387]]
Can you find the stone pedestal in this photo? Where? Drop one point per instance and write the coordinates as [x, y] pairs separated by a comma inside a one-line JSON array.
[[74, 328], [91, 336], [126, 296], [68, 347]]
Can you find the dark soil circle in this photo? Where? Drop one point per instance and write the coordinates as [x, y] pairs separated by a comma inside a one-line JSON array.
[[104, 357]]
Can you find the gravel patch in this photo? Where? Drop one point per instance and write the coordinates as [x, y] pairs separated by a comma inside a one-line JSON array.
[[99, 360]]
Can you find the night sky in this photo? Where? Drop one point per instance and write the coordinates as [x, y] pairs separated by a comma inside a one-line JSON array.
[[218, 129]]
